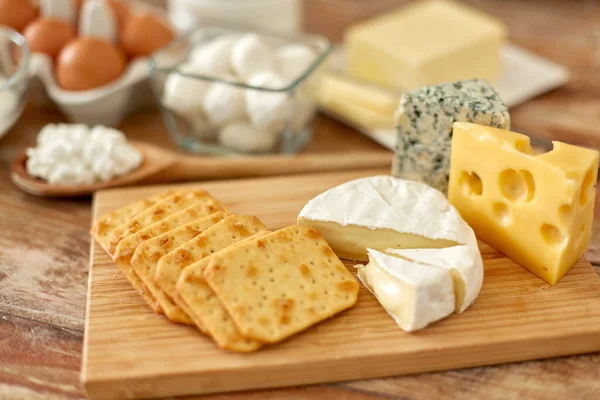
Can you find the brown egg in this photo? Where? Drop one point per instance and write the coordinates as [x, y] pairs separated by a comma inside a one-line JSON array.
[[48, 35], [17, 13], [144, 34], [87, 63], [121, 11]]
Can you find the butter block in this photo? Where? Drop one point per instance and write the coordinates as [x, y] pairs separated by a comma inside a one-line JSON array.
[[537, 209], [426, 43]]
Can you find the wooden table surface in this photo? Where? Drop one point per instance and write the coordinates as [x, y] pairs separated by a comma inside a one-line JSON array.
[[44, 244]]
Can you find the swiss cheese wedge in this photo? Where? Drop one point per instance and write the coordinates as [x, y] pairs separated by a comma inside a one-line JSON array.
[[535, 208]]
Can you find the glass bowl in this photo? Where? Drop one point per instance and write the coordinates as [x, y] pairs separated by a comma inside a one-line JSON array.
[[211, 105], [14, 77]]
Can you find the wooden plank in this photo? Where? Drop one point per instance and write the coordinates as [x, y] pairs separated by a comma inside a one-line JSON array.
[[132, 352]]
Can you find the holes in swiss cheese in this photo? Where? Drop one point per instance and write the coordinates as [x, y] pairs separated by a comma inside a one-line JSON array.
[[502, 213], [564, 213], [516, 186], [551, 235], [524, 146], [586, 187], [470, 183]]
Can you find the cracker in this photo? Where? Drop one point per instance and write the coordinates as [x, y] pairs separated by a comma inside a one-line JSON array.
[[282, 283], [225, 233], [126, 247], [148, 253], [161, 210], [203, 306], [107, 223]]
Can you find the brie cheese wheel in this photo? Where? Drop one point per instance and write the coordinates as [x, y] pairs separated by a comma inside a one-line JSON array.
[[462, 262], [384, 212], [414, 295]]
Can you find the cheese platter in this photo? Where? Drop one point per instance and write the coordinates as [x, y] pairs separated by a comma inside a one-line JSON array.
[[132, 352]]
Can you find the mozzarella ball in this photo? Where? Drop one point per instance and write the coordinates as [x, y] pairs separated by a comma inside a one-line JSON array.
[[48, 35], [294, 60], [268, 111], [242, 136], [224, 103], [185, 95], [251, 55], [213, 58]]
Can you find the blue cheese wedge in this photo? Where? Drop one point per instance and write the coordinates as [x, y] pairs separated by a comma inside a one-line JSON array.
[[424, 126]]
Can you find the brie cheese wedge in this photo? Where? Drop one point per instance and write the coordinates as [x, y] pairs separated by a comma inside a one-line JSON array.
[[414, 295], [462, 262], [384, 212]]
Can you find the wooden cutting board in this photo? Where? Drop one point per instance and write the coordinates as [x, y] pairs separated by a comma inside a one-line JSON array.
[[131, 352]]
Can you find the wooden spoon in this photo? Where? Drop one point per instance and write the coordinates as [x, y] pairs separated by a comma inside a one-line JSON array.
[[163, 166]]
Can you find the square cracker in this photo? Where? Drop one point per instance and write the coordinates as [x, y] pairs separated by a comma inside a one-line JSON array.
[[223, 234], [282, 283], [126, 247], [148, 253], [161, 210], [204, 308], [107, 223]]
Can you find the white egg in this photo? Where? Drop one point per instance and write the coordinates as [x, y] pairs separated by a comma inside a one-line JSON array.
[[224, 103], [268, 111], [184, 95], [242, 136], [251, 55], [293, 60], [213, 58]]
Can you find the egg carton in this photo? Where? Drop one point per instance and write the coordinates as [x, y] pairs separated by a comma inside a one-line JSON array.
[[108, 105]]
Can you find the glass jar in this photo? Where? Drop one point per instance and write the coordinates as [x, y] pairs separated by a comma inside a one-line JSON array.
[[221, 113], [14, 77]]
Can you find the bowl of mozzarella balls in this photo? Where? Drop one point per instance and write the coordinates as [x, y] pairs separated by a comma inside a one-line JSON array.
[[226, 92]]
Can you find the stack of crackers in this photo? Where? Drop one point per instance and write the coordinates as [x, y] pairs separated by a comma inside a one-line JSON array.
[[244, 286]]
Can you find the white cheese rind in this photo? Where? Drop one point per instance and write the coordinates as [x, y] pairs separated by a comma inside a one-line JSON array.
[[424, 126], [465, 259], [385, 202], [413, 295]]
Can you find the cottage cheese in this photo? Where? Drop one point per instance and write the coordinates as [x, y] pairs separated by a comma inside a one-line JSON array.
[[78, 155]]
